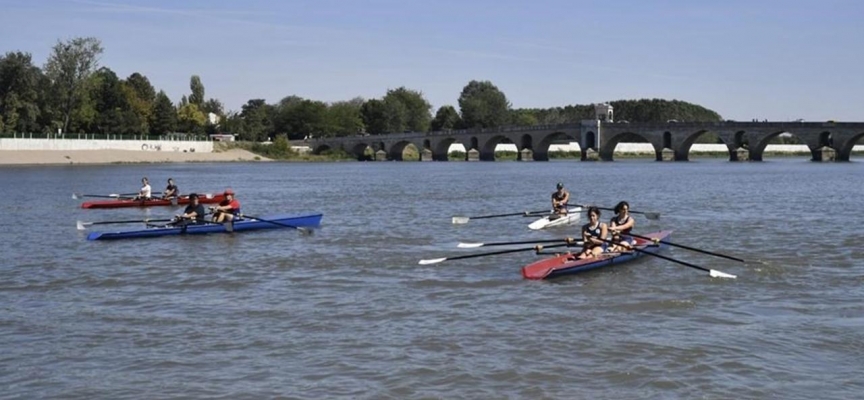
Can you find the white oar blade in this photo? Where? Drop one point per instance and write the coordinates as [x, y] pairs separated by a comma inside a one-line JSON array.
[[461, 220], [75, 196], [432, 261], [469, 245], [80, 226], [719, 274], [113, 195]]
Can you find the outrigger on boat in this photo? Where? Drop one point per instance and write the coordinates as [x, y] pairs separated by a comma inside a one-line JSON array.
[[182, 200], [552, 220], [565, 264], [250, 223]]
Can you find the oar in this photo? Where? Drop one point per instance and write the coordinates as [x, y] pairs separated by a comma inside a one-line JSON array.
[[301, 229], [649, 215], [568, 240], [77, 196], [464, 220], [689, 248], [492, 253], [712, 272], [83, 225]]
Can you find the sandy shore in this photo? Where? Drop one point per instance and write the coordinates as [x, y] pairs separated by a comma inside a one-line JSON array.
[[47, 157]]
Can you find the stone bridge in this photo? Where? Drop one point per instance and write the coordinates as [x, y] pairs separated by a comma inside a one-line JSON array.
[[671, 141]]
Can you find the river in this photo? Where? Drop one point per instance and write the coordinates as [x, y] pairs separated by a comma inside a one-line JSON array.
[[348, 313]]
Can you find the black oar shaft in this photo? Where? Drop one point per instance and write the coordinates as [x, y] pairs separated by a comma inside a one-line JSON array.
[[691, 248], [684, 263], [530, 241], [509, 214], [274, 222]]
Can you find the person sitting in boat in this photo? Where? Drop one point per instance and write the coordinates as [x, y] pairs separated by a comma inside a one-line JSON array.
[[620, 226], [144, 193], [193, 214], [593, 235], [171, 191], [228, 209], [560, 197]]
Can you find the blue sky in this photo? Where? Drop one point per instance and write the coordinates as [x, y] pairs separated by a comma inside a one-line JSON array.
[[780, 60]]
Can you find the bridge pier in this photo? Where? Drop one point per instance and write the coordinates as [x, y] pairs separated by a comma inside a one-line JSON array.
[[380, 155], [590, 155], [669, 155], [474, 155], [526, 155]]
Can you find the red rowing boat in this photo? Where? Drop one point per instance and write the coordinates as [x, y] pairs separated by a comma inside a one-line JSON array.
[[182, 200]]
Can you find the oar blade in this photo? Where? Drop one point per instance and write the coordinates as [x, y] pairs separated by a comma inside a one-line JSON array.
[[720, 274], [469, 245], [652, 215], [461, 220], [76, 196], [81, 225], [432, 261]]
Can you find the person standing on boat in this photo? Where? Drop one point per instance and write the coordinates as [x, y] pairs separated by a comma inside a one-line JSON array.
[[144, 193], [228, 209], [193, 214], [560, 197], [171, 191], [620, 225], [593, 235]]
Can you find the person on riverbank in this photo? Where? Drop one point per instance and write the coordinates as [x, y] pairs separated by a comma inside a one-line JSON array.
[[227, 209], [145, 192], [560, 197], [593, 235], [620, 226], [193, 214], [171, 191]]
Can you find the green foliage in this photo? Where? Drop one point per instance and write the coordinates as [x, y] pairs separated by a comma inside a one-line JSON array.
[[164, 117], [408, 109], [19, 93], [299, 119], [445, 119], [197, 96], [257, 118], [114, 113], [374, 115], [69, 66], [344, 118], [190, 119], [522, 117], [483, 105]]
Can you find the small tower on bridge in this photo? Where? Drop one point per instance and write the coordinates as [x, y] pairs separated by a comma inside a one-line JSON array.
[[603, 112]]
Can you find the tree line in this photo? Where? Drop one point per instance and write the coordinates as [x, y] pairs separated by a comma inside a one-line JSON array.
[[72, 93]]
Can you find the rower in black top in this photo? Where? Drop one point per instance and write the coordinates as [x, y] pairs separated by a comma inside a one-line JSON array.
[[171, 190], [560, 197], [193, 214]]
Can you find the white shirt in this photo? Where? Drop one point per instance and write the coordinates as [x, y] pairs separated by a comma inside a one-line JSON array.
[[145, 191]]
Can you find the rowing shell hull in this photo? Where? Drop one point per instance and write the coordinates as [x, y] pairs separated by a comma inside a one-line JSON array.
[[543, 223], [183, 200], [560, 265], [296, 220]]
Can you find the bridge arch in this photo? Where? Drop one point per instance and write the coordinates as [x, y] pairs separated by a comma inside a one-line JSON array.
[[541, 151], [487, 149], [757, 151], [321, 149], [682, 153], [607, 149], [397, 151], [359, 151], [845, 150]]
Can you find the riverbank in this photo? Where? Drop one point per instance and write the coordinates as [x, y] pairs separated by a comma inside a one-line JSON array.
[[57, 157]]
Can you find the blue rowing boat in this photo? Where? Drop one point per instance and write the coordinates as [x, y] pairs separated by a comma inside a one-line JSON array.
[[283, 221], [564, 264]]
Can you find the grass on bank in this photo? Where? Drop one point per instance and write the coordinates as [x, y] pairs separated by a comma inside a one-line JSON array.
[[280, 149]]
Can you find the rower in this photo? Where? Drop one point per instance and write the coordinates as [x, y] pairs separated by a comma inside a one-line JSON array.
[[193, 214], [620, 226], [593, 235], [560, 197], [144, 193], [228, 209], [171, 191]]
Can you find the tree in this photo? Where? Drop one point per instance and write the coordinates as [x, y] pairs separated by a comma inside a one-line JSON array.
[[483, 105], [20, 96], [257, 120], [304, 118], [445, 119], [374, 115], [197, 96], [164, 117], [140, 95], [190, 119], [413, 113], [522, 117], [114, 114], [344, 117], [69, 66], [142, 88]]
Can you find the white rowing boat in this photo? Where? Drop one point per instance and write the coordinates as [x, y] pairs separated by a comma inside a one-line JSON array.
[[557, 220]]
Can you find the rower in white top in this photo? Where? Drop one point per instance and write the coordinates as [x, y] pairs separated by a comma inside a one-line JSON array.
[[145, 192]]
